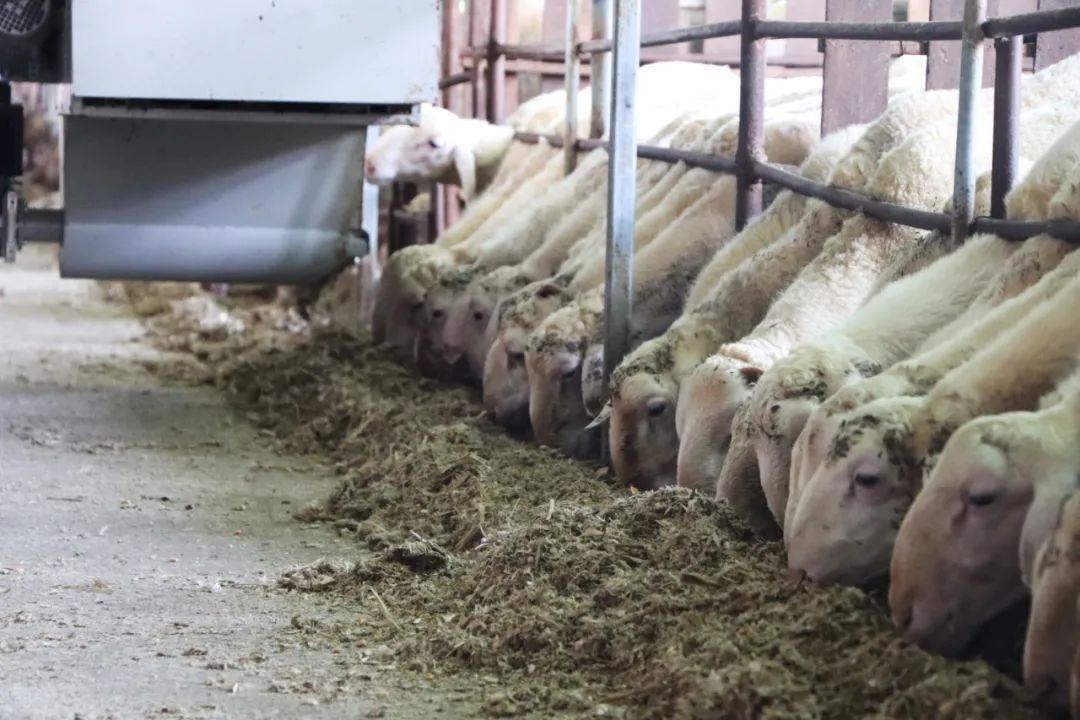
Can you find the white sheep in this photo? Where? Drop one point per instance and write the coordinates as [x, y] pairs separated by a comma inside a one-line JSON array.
[[588, 272], [459, 309], [1011, 474], [1051, 653], [817, 473], [1011, 373], [833, 536], [663, 272], [942, 351], [442, 148], [789, 391], [645, 388]]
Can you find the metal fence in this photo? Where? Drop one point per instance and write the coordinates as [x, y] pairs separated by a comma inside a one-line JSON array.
[[614, 93]]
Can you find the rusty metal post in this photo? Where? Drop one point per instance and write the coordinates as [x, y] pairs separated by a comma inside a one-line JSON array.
[[496, 63], [573, 84], [751, 113], [600, 70], [1006, 121], [971, 64], [622, 180]]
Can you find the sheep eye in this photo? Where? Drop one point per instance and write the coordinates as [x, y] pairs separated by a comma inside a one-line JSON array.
[[437, 314], [434, 143], [657, 408], [515, 357], [981, 499], [479, 316], [867, 480]]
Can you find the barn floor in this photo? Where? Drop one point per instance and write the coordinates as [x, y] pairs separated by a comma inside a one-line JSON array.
[[142, 533]]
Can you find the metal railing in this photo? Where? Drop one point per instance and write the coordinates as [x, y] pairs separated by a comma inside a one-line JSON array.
[[749, 164]]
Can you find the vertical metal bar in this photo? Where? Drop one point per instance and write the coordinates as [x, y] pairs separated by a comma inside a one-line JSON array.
[[573, 84], [369, 206], [622, 177], [454, 35], [474, 35], [751, 113], [1006, 121], [971, 64], [496, 63], [432, 230], [600, 70]]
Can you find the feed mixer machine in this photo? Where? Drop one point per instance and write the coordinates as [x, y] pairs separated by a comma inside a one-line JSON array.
[[208, 140]]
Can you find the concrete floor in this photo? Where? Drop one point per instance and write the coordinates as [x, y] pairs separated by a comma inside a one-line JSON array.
[[142, 530]]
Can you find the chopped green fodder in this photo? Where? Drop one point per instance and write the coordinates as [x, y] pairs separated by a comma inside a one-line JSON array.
[[494, 558]]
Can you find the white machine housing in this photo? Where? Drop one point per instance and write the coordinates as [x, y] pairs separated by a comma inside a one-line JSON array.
[[224, 141]]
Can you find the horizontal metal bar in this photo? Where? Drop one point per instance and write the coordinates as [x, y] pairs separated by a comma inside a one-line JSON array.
[[671, 37], [548, 53], [716, 163], [531, 138], [838, 30], [455, 79], [1032, 23], [848, 200], [1025, 24], [1067, 230]]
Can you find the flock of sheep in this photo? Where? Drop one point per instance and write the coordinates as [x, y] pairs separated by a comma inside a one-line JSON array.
[[894, 405]]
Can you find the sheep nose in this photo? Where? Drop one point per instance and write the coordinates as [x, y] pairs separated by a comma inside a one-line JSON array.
[[453, 353], [369, 168]]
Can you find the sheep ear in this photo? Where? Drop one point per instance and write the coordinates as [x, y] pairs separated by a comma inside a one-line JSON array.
[[548, 290], [751, 375], [465, 164], [602, 417]]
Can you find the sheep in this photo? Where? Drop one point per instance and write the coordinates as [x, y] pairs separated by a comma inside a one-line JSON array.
[[940, 352], [644, 390], [783, 389], [468, 328], [588, 273], [1051, 653], [860, 347], [780, 215], [518, 237], [665, 91], [1009, 374], [410, 272], [1036, 257], [442, 148], [505, 380], [992, 467], [1011, 473], [787, 393], [663, 272], [834, 536], [787, 139], [459, 308]]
